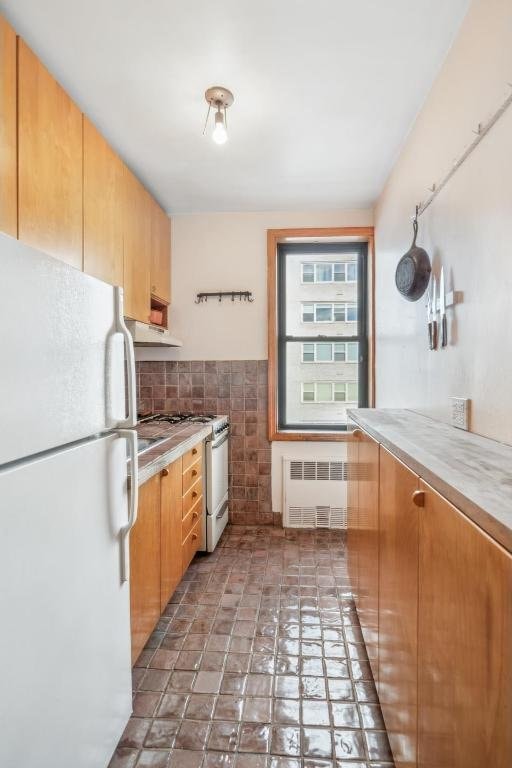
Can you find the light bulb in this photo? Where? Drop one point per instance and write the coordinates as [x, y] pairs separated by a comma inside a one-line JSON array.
[[219, 135]]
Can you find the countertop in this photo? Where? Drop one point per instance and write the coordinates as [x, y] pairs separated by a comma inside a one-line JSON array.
[[474, 473], [180, 439]]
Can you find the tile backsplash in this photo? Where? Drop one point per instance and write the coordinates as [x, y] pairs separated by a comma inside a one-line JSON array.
[[237, 388]]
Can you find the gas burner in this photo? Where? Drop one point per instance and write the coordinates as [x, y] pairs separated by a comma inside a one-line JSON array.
[[201, 418], [177, 418]]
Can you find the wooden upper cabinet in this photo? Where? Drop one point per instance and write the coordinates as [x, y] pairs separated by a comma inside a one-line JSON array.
[[136, 221], [398, 606], [103, 188], [8, 169], [160, 253], [368, 547], [49, 162], [464, 642]]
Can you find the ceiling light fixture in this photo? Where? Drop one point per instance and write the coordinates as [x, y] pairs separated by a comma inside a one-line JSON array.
[[220, 99]]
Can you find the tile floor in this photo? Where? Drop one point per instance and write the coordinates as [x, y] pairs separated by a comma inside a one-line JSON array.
[[258, 662]]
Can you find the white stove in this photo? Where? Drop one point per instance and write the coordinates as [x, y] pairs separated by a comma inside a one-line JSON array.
[[216, 469]]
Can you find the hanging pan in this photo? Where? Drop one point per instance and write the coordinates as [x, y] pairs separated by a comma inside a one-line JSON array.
[[413, 270]]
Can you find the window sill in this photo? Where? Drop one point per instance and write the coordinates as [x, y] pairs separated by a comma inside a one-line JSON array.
[[313, 437]]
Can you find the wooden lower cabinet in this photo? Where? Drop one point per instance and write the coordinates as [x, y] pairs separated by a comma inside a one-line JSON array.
[[398, 606], [464, 642], [353, 515], [368, 547], [145, 540], [170, 506], [163, 542]]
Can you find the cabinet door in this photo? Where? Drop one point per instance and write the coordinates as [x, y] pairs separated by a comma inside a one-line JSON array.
[[398, 606], [8, 186], [464, 642], [49, 162], [136, 248], [353, 513], [103, 232], [368, 547], [145, 566], [171, 572], [160, 253]]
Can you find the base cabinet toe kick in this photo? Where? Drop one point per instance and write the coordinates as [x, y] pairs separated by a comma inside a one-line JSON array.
[[433, 593]]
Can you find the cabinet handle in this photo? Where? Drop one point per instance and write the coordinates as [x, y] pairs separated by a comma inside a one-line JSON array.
[[194, 494], [357, 434], [418, 498], [194, 536], [194, 472], [194, 451], [194, 515], [164, 472]]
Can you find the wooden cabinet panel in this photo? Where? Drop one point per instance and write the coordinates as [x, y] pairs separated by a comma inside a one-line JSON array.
[[398, 600], [160, 253], [192, 495], [136, 248], [191, 544], [190, 457], [368, 547], [8, 165], [171, 534], [353, 516], [145, 565], [49, 162], [191, 475], [465, 642], [103, 185]]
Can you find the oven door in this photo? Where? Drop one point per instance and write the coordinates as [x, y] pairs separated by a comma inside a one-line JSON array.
[[217, 473]]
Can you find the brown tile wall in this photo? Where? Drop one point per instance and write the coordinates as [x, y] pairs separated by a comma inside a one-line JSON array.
[[237, 388]]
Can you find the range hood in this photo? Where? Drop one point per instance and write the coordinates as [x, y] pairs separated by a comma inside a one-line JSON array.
[[151, 335]]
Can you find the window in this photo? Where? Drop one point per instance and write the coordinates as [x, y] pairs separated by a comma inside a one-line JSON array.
[[330, 392], [331, 312], [322, 342], [330, 352], [329, 272]]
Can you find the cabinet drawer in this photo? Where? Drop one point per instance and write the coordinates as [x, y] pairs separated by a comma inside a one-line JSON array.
[[191, 496], [191, 519], [191, 545], [191, 475], [190, 457]]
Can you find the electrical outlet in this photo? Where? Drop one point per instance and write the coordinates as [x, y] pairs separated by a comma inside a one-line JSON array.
[[460, 412]]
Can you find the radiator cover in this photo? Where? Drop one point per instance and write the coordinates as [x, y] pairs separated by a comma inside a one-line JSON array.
[[315, 493]]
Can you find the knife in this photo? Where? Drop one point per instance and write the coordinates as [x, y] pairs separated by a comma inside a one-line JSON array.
[[433, 315], [430, 317], [442, 309]]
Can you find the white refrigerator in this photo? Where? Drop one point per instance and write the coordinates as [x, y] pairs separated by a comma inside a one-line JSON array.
[[67, 402]]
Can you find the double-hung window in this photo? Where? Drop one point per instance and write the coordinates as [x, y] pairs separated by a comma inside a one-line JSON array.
[[322, 339]]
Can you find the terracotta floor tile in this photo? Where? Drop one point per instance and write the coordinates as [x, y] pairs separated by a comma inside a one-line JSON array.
[[258, 662]]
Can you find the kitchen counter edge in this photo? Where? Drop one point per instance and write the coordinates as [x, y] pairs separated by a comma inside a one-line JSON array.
[[169, 454], [472, 472]]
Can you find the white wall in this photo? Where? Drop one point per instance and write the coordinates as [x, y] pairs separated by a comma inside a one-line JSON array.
[[468, 229], [228, 251]]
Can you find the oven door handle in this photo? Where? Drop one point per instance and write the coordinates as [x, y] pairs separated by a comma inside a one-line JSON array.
[[220, 441]]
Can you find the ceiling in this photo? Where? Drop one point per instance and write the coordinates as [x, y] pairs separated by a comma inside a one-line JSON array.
[[325, 90]]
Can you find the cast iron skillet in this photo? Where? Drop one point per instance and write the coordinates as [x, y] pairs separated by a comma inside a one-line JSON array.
[[413, 270]]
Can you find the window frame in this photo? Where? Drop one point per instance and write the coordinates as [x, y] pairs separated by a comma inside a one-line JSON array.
[[346, 234], [345, 304], [333, 344], [332, 384], [332, 264], [283, 338]]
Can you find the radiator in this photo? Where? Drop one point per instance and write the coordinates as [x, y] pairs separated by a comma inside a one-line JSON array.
[[315, 493]]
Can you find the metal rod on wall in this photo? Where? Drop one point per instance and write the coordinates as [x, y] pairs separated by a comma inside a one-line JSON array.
[[482, 130]]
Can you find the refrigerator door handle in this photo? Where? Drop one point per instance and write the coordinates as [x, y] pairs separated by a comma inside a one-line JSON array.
[[131, 419], [131, 436]]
